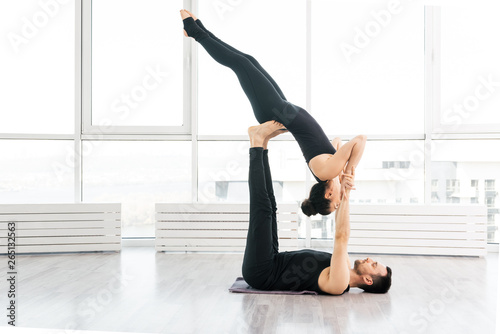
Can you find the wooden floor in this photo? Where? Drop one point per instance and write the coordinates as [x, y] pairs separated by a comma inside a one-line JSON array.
[[139, 290]]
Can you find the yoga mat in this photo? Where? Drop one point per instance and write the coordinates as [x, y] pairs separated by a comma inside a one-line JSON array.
[[240, 286]]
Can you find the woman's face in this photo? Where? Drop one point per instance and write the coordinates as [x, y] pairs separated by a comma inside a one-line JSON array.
[[332, 192]]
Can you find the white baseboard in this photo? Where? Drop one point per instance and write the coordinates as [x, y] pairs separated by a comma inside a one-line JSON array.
[[138, 242], [150, 242], [492, 248]]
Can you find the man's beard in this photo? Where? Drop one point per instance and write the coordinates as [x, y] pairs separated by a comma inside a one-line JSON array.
[[356, 267]]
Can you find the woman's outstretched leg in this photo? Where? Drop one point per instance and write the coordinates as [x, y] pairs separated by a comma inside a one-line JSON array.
[[249, 57], [266, 102]]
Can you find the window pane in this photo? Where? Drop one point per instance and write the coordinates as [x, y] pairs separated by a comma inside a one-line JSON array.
[[223, 171], [224, 165], [279, 45], [368, 67], [467, 172], [470, 71], [137, 63], [223, 177], [36, 171], [38, 67], [138, 175], [390, 172]]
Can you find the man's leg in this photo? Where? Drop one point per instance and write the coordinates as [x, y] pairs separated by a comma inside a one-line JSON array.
[[260, 247], [270, 192], [259, 250]]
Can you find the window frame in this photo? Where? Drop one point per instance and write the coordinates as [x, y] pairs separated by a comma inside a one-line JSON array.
[[91, 129]]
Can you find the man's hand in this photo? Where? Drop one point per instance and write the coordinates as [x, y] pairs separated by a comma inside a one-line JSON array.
[[347, 184]]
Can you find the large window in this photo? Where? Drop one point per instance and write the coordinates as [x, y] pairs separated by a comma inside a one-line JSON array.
[[158, 120]]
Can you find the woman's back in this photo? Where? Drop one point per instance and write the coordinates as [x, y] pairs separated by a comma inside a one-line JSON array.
[[310, 136]]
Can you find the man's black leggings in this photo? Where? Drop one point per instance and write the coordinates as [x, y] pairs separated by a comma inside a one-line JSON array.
[[267, 100], [262, 238], [264, 267]]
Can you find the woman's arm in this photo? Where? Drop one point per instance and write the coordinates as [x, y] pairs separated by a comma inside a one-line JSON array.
[[349, 154], [337, 144]]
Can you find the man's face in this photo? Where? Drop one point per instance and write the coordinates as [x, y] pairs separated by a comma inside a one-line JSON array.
[[369, 267]]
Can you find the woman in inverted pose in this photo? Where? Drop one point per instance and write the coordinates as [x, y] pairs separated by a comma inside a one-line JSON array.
[[325, 160], [265, 268]]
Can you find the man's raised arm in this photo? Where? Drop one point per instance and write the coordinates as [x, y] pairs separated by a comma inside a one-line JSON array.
[[339, 267]]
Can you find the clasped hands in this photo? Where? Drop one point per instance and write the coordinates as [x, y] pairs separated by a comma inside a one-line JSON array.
[[347, 183]]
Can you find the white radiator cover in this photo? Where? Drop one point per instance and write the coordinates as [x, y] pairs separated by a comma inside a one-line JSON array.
[[414, 229], [417, 229], [47, 228], [216, 227]]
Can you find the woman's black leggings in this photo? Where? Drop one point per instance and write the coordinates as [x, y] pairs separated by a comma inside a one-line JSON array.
[[262, 239], [267, 100]]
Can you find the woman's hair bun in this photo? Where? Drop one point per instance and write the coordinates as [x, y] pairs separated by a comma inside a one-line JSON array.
[[308, 208]]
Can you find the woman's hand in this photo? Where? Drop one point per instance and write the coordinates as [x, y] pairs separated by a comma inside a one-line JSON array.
[[347, 184]]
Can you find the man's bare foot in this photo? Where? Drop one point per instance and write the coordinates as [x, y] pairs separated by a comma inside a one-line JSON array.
[[258, 134], [256, 140], [185, 14]]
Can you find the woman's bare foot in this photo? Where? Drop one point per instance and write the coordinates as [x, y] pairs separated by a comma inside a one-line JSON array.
[[185, 14], [260, 134], [281, 130], [191, 14]]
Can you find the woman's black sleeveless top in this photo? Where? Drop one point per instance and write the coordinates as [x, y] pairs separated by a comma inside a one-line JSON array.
[[310, 136]]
